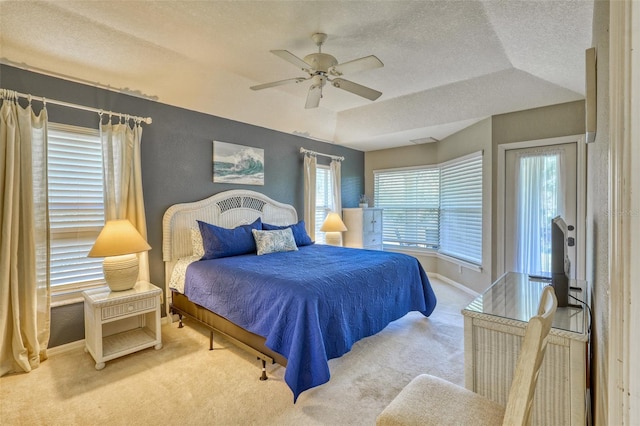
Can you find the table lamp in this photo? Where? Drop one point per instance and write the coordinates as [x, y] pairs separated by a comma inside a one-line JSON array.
[[333, 226], [118, 243]]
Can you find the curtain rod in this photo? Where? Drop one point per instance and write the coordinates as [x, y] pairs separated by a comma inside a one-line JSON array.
[[6, 93], [335, 157]]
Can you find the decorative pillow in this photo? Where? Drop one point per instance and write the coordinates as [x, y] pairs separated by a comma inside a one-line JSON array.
[[197, 248], [274, 241], [222, 242], [299, 232]]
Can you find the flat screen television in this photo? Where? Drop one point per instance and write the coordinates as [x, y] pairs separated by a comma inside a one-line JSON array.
[[560, 264]]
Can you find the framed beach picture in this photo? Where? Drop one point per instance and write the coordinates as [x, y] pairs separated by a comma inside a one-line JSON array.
[[237, 164]]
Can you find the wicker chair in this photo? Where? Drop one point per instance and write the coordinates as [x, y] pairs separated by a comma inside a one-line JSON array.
[[429, 400]]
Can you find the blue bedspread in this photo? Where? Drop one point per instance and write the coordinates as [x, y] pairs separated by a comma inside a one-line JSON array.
[[313, 304]]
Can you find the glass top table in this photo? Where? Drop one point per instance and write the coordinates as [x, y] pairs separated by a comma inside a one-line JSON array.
[[515, 296]]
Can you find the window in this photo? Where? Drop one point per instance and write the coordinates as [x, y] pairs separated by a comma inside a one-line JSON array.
[[76, 205], [410, 198], [436, 207], [461, 209], [324, 199]]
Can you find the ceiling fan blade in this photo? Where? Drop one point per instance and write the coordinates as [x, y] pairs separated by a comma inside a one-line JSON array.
[[313, 97], [278, 83], [357, 65], [290, 57], [356, 89]]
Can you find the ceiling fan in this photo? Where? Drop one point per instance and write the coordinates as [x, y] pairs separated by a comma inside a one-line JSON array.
[[320, 67]]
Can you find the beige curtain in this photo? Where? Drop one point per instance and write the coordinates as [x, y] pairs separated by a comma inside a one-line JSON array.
[[336, 193], [123, 180], [310, 195], [24, 254]]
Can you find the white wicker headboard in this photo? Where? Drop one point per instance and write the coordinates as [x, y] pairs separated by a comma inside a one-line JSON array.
[[227, 209]]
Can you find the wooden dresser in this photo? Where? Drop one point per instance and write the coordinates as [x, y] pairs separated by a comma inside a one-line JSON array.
[[494, 325], [364, 228]]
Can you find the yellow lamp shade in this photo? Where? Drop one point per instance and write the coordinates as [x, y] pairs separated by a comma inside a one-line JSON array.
[[333, 226], [333, 223], [116, 238], [118, 242]]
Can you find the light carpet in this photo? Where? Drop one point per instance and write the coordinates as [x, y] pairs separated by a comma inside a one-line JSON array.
[[185, 383]]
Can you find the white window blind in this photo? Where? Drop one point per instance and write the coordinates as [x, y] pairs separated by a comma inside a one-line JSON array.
[[461, 209], [435, 207], [324, 200], [410, 199], [76, 204]]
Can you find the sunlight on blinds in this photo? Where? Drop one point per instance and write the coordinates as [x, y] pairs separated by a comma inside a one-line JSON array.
[[437, 207], [409, 198], [461, 210], [76, 204]]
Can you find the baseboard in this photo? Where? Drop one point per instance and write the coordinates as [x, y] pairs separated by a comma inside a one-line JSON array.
[[454, 284], [63, 349], [72, 346]]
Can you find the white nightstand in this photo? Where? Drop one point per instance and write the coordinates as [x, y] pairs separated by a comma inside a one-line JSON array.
[[118, 323]]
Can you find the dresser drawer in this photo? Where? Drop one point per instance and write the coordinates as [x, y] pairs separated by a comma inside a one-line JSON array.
[[371, 239], [127, 308]]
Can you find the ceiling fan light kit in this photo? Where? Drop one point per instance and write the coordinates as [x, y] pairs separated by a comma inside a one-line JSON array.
[[320, 66]]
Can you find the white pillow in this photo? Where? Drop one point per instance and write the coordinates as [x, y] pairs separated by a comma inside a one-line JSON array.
[[197, 248], [274, 241], [179, 272]]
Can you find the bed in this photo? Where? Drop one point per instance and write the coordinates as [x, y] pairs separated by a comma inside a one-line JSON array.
[[297, 308]]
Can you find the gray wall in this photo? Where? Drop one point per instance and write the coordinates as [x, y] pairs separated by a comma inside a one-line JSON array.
[[539, 123], [473, 138], [176, 160]]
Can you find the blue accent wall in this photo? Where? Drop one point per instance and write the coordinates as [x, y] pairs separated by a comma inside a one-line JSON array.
[[177, 156]]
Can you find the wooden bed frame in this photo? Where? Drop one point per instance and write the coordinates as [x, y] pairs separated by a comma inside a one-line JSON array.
[[227, 209]]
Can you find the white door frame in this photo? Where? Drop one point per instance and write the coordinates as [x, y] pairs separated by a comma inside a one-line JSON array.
[[622, 398], [581, 196]]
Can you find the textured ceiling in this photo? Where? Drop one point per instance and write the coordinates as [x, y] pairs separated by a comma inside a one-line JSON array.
[[447, 64]]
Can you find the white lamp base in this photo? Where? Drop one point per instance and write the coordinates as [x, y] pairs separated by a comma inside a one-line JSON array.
[[333, 238], [121, 272]]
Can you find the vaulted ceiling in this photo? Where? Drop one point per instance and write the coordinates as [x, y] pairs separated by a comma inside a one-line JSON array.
[[447, 64]]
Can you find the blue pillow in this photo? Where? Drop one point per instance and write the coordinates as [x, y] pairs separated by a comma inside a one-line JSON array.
[[222, 242], [299, 232]]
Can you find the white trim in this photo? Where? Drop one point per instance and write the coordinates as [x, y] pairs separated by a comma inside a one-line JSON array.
[[581, 196], [433, 253], [66, 348], [460, 262], [71, 293], [633, 139], [581, 209], [453, 283], [63, 299], [124, 91], [621, 399]]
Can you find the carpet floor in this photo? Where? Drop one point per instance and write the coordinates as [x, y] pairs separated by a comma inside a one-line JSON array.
[[185, 383]]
